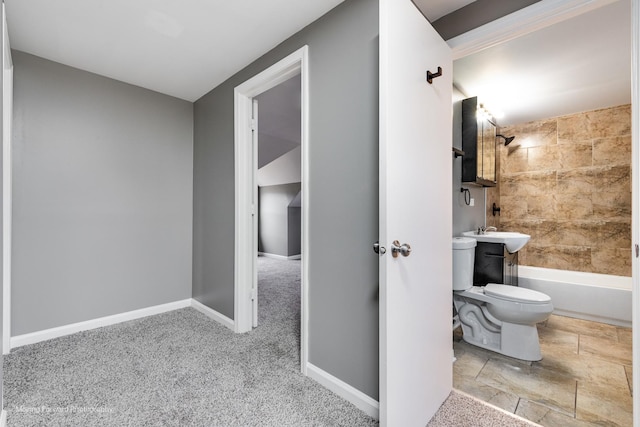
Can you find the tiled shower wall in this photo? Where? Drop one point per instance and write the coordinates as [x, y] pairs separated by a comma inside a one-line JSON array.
[[566, 181]]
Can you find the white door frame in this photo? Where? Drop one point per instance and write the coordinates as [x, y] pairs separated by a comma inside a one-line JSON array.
[[635, 183], [245, 250], [541, 15], [7, 111]]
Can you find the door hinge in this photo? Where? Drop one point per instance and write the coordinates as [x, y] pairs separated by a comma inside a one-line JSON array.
[[637, 251], [254, 294], [252, 124]]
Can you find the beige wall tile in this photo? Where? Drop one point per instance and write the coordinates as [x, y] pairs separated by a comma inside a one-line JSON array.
[[575, 181], [607, 205], [577, 155], [609, 122], [574, 206], [611, 261], [522, 256], [612, 179], [512, 208], [577, 233], [613, 234], [567, 182], [545, 233], [573, 128], [612, 151], [533, 134], [513, 160], [529, 183], [543, 158], [542, 207], [573, 258]]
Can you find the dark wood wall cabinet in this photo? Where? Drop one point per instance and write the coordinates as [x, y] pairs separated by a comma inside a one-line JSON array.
[[478, 144]]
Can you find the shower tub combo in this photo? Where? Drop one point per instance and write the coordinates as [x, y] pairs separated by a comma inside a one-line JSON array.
[[590, 296]]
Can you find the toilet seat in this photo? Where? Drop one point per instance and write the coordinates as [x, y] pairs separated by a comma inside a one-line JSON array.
[[516, 294]]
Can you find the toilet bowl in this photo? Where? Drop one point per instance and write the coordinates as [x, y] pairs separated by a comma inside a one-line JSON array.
[[496, 317]]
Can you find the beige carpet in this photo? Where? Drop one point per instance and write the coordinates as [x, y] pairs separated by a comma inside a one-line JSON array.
[[463, 410]]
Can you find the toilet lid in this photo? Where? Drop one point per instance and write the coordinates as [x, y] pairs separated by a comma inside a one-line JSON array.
[[514, 293]]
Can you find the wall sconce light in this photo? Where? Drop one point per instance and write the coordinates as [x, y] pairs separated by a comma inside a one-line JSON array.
[[482, 113]]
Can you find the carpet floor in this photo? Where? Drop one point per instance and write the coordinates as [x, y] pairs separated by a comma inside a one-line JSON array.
[[463, 410], [178, 369], [183, 369]]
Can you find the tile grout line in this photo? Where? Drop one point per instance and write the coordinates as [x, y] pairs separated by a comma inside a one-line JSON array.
[[484, 365], [629, 383], [517, 405], [575, 402]]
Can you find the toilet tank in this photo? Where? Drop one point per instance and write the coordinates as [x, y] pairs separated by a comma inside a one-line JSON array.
[[464, 250]]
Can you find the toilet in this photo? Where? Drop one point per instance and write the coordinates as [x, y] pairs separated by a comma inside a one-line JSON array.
[[496, 317]]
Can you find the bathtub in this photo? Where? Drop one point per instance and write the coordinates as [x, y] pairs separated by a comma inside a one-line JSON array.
[[590, 296]]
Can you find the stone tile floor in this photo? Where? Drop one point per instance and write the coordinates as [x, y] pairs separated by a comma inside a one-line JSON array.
[[583, 379]]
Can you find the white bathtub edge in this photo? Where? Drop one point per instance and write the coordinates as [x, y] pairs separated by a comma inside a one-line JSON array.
[[576, 277], [582, 301]]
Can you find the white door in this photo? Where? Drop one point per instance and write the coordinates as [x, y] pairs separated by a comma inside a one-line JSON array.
[[415, 208]]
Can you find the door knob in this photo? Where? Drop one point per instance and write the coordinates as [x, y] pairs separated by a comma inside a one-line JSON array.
[[397, 248], [379, 249]]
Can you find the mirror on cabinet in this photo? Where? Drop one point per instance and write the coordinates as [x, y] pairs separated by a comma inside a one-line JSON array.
[[478, 144]]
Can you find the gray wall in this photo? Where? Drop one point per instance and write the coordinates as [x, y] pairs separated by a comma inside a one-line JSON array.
[[274, 224], [343, 195], [465, 217], [475, 15], [294, 232], [102, 220]]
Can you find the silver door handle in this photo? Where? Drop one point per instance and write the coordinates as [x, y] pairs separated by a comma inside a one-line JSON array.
[[379, 249], [397, 248]]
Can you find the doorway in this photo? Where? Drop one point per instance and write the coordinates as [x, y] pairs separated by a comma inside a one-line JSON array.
[[463, 46], [279, 182], [246, 189]]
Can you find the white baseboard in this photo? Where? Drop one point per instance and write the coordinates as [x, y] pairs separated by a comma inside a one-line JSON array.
[[47, 334], [363, 402], [3, 419], [274, 256], [207, 311]]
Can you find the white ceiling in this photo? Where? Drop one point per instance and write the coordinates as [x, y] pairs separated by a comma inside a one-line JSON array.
[[180, 48], [577, 65], [185, 49]]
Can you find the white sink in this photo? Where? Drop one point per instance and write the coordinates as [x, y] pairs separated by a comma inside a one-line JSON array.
[[513, 241]]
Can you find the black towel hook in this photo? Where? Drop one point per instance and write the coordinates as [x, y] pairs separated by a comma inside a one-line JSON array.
[[431, 76]]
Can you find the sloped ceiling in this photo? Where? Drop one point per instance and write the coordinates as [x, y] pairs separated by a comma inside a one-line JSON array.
[[279, 119], [179, 48]]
